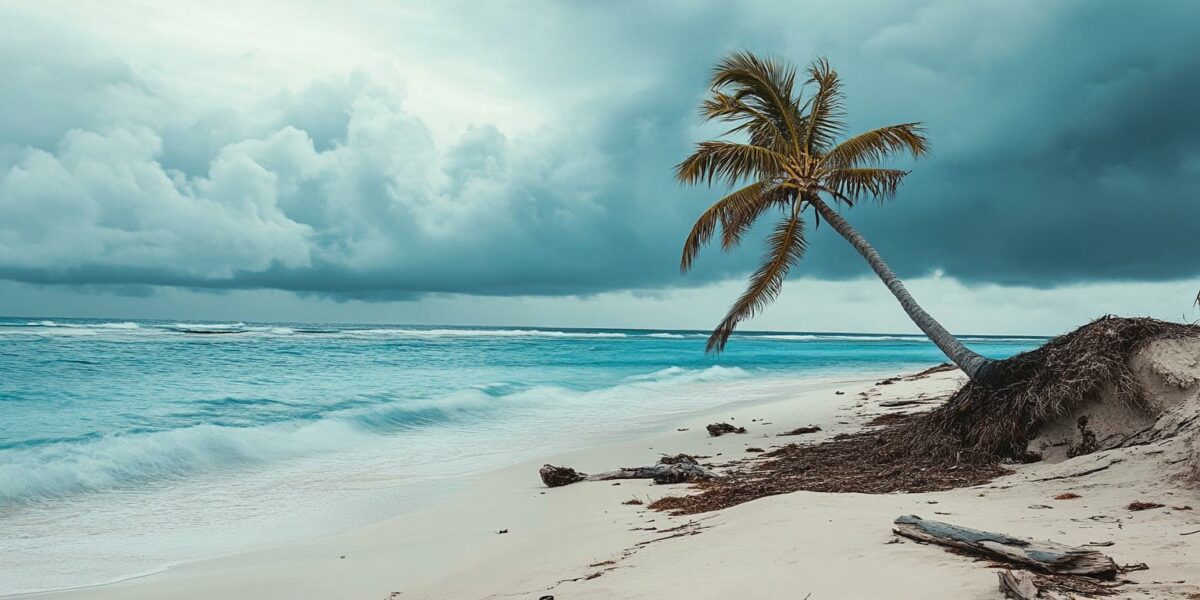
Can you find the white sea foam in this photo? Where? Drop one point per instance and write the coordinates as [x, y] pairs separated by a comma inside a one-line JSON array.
[[671, 336], [819, 337], [450, 333], [68, 467], [238, 325], [113, 325]]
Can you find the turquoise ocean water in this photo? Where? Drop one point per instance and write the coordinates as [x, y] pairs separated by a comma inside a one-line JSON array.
[[147, 443]]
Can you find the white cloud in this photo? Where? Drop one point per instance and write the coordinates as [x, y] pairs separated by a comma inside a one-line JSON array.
[[385, 150]]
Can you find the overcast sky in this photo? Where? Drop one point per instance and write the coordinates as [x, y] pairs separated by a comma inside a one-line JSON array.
[[510, 162]]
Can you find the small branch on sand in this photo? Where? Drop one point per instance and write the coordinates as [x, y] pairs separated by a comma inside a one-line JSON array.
[[1081, 473], [899, 403], [1048, 557], [802, 430], [671, 469], [719, 429]]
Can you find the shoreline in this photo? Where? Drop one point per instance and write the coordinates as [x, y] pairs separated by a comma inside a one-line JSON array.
[[507, 536], [652, 429]]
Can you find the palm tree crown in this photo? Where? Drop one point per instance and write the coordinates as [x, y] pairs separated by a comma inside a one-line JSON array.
[[787, 157]]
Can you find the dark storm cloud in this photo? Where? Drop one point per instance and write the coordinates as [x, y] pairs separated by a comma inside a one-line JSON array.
[[1064, 136]]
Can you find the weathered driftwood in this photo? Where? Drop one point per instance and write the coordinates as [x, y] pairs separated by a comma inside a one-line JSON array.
[[680, 469], [1018, 585], [1048, 557]]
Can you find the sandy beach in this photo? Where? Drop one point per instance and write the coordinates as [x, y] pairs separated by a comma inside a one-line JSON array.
[[507, 536]]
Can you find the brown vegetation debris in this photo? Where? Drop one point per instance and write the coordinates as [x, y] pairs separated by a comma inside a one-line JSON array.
[[633, 502], [1067, 496], [890, 419], [679, 458], [1139, 505], [852, 463], [942, 368]]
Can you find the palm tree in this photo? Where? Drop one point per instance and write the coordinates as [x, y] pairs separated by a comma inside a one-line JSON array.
[[791, 159]]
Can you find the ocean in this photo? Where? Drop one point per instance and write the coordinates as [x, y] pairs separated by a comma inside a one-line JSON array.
[[128, 446]]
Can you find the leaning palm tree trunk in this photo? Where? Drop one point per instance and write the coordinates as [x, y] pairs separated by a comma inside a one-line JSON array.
[[971, 363]]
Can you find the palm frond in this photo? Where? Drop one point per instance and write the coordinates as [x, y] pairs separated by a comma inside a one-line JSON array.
[[763, 84], [785, 247], [873, 146], [856, 183], [729, 162], [740, 217], [825, 117], [739, 202], [764, 129]]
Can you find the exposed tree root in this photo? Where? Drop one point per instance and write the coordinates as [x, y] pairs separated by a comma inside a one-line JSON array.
[[984, 423]]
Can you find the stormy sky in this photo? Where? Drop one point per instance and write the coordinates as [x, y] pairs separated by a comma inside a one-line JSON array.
[[510, 162]]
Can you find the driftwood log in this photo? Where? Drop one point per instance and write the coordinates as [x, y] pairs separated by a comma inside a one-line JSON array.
[[1047, 557], [675, 469]]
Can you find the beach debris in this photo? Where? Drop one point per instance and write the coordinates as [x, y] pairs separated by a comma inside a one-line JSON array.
[[675, 458], [680, 468], [847, 463], [839, 393], [754, 449], [546, 597], [942, 368], [891, 418], [1184, 507], [1081, 473], [802, 430], [1139, 505], [719, 429], [633, 502], [1018, 585], [899, 403], [692, 527], [1067, 496], [1024, 585], [502, 531], [1047, 556], [554, 476]]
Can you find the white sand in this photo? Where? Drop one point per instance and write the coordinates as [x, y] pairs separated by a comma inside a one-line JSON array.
[[795, 546]]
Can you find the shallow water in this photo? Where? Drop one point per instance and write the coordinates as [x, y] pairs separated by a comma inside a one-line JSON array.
[[145, 443]]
